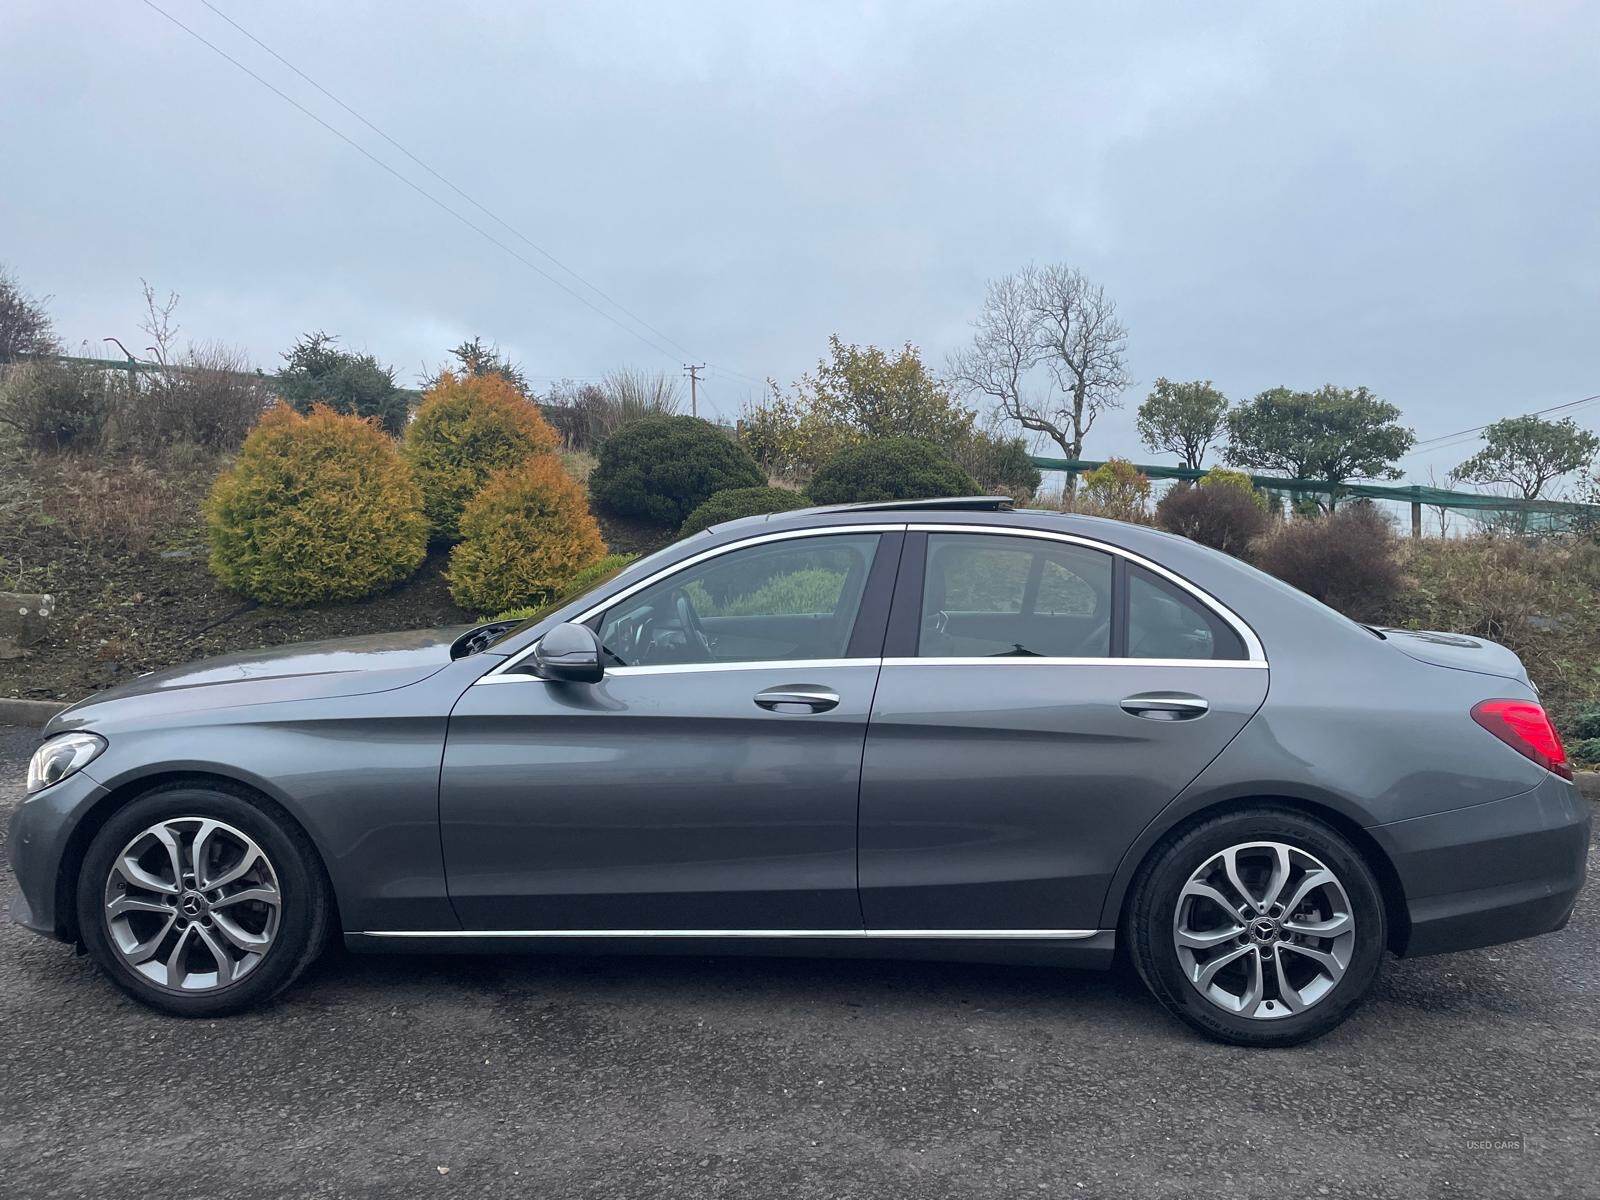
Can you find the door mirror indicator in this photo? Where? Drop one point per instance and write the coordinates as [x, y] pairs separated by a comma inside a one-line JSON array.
[[570, 654]]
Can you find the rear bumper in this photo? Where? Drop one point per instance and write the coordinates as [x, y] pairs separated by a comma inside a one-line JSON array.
[[1491, 873]]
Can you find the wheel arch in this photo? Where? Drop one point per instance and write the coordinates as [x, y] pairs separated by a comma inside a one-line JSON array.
[[125, 793], [1154, 839]]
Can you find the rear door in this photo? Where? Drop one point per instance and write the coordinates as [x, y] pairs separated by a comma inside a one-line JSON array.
[[1041, 699]]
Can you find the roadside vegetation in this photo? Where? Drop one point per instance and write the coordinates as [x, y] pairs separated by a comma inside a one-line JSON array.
[[199, 504]]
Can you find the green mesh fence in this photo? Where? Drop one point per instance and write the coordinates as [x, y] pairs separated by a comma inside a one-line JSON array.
[[1504, 512]]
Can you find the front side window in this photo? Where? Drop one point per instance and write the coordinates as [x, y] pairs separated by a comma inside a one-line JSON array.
[[786, 600], [1166, 622], [992, 596]]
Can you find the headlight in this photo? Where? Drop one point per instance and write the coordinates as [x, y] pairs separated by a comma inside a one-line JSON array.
[[63, 755]]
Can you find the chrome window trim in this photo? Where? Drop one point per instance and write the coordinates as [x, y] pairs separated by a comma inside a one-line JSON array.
[[509, 666], [828, 664], [1256, 657], [1023, 660], [853, 934], [710, 668], [1254, 652]]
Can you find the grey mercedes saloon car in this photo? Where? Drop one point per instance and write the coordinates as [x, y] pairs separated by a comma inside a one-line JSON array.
[[938, 729]]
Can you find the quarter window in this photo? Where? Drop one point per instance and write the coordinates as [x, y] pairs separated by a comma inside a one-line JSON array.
[[1166, 622], [786, 600], [991, 596]]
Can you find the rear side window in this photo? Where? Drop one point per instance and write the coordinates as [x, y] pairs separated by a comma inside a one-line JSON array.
[[1166, 622], [991, 596]]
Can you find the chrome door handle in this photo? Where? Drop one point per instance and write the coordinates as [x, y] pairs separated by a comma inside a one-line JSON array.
[[817, 699], [1166, 706]]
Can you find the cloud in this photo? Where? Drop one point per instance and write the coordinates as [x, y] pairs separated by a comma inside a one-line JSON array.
[[1397, 197]]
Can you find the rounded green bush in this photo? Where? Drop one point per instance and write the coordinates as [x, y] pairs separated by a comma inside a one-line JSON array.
[[733, 503], [1239, 481], [1220, 515], [466, 429], [1585, 752], [586, 580], [660, 469], [889, 469], [1586, 725], [523, 537], [320, 507]]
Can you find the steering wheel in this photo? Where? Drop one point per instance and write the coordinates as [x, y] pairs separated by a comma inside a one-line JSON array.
[[689, 620]]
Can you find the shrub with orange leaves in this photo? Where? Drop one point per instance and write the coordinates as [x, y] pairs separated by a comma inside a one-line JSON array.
[[523, 538], [317, 507], [467, 428]]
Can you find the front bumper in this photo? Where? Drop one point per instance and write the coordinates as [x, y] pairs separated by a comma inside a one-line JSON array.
[[1490, 873], [38, 846]]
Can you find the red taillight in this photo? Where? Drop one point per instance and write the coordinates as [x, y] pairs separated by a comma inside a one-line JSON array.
[[1523, 726]]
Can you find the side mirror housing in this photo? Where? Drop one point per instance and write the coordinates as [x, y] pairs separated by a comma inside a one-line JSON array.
[[570, 653]]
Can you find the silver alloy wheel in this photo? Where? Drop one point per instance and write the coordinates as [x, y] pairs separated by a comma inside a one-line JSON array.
[[1264, 930], [192, 904]]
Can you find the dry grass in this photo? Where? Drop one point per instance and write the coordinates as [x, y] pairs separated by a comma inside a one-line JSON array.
[[579, 464], [1541, 599], [1134, 509], [123, 507]]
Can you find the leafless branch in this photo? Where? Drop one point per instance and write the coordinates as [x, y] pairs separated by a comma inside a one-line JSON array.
[[1055, 318]]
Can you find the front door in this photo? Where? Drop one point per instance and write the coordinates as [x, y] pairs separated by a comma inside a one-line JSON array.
[[708, 783], [1040, 702]]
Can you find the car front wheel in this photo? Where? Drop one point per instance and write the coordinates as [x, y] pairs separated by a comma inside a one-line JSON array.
[[199, 901], [1263, 927]]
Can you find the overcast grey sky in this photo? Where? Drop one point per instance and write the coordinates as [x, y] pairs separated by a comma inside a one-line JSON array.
[[1397, 195]]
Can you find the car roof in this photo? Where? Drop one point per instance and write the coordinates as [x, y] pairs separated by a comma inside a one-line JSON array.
[[938, 503], [999, 511]]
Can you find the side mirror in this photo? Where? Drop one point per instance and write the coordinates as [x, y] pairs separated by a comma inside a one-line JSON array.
[[571, 654]]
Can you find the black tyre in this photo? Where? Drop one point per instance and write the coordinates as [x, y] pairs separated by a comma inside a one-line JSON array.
[[199, 901], [1262, 927]]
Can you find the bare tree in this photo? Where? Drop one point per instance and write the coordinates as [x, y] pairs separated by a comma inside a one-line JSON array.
[[204, 394], [1441, 511], [158, 323], [1083, 345], [1004, 350], [1055, 318]]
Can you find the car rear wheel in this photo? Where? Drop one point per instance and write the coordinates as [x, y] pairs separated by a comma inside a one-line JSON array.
[[198, 901], [1263, 927]]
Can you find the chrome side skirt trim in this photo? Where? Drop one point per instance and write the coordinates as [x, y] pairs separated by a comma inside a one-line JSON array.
[[854, 934], [988, 935]]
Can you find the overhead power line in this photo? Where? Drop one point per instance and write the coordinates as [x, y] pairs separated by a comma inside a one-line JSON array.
[[499, 220], [1462, 436], [423, 192], [741, 377]]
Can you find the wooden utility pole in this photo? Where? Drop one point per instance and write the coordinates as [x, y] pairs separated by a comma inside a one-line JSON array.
[[692, 370]]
